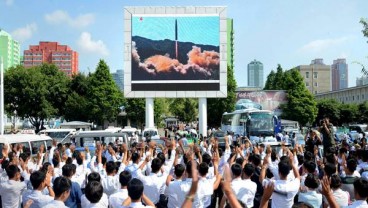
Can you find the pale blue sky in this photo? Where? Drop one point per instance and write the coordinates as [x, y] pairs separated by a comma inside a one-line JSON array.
[[287, 32], [199, 30]]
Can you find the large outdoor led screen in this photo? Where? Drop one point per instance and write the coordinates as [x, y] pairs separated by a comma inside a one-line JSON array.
[[174, 52]]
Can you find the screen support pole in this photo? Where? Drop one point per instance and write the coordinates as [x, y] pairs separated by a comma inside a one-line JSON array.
[[202, 116], [150, 112]]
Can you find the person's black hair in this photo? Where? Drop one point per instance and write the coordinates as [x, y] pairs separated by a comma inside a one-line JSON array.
[[203, 169], [330, 169], [361, 187], [103, 160], [24, 156], [135, 157], [300, 159], [156, 165], [94, 191], [236, 169], [308, 156], [249, 170], [311, 181], [239, 201], [302, 205], [125, 177], [45, 167], [110, 167], [179, 170], [351, 165], [135, 189], [69, 161], [220, 151], [256, 160], [330, 158], [161, 156], [75, 154], [68, 170], [37, 178], [206, 158], [343, 150], [310, 166], [61, 185], [262, 145], [273, 155], [335, 181], [94, 176], [55, 162], [239, 161], [284, 168], [117, 166], [365, 155], [5, 164], [12, 170], [79, 159]]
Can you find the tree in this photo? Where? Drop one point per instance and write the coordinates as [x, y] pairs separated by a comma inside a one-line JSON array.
[[328, 108], [37, 93], [77, 103], [161, 108], [279, 81], [364, 22], [363, 112], [348, 113], [135, 109], [186, 109], [104, 95], [217, 106], [301, 105], [270, 81]]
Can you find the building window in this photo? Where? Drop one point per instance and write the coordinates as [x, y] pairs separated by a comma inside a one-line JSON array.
[[307, 84], [316, 84], [307, 75], [315, 75]]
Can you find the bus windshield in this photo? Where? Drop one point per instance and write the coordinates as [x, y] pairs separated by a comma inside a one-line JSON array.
[[261, 123]]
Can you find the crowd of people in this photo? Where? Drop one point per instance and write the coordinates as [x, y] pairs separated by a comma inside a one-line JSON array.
[[198, 175]]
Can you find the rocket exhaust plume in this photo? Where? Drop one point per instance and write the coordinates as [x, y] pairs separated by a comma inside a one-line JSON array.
[[176, 39]]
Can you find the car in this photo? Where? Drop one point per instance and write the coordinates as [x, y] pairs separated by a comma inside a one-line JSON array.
[[150, 133], [220, 136]]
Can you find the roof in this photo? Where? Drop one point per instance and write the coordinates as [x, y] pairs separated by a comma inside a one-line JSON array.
[[18, 138], [76, 123]]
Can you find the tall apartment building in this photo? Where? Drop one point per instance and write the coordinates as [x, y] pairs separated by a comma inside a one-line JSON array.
[[255, 74], [51, 52], [230, 43], [339, 74], [118, 77], [317, 76], [9, 50], [362, 81]]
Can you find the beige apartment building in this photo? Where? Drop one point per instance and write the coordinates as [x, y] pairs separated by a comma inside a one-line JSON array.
[[317, 76]]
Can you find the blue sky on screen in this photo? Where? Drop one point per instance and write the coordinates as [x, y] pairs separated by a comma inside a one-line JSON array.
[[199, 30], [285, 32]]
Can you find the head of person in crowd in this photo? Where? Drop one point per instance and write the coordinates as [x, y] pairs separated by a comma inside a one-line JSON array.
[[68, 170], [239, 160], [13, 172], [248, 170], [361, 189], [136, 158], [124, 178], [284, 169], [179, 170], [335, 182], [309, 167], [206, 158], [61, 187], [351, 166], [94, 192], [330, 158], [311, 181], [135, 190], [94, 176], [236, 170], [39, 180], [308, 156], [273, 156], [161, 156], [25, 156], [330, 169], [47, 168], [5, 164], [111, 168], [156, 165], [261, 148], [301, 205], [256, 160]]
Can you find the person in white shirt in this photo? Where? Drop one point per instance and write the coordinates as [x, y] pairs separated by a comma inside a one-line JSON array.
[[132, 168], [52, 150], [207, 186], [285, 188], [361, 194], [117, 199], [154, 185], [94, 193], [39, 180], [310, 195], [12, 189], [246, 189], [110, 183], [136, 195], [104, 201], [61, 188]]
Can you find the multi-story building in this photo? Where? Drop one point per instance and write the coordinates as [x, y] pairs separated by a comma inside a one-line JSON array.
[[339, 74], [118, 77], [230, 43], [362, 81], [255, 74], [317, 76], [51, 52], [9, 50], [358, 94]]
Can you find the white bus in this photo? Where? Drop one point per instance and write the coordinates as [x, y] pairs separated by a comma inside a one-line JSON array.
[[61, 135], [252, 123]]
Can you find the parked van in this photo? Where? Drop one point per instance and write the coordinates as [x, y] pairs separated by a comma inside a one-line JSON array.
[[150, 133], [61, 135], [132, 133], [31, 143]]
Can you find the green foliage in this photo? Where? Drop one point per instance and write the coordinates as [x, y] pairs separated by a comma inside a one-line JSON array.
[[348, 113], [37, 93], [364, 22], [328, 108], [161, 109], [270, 81], [363, 112], [135, 109], [104, 96], [186, 109], [217, 106]]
